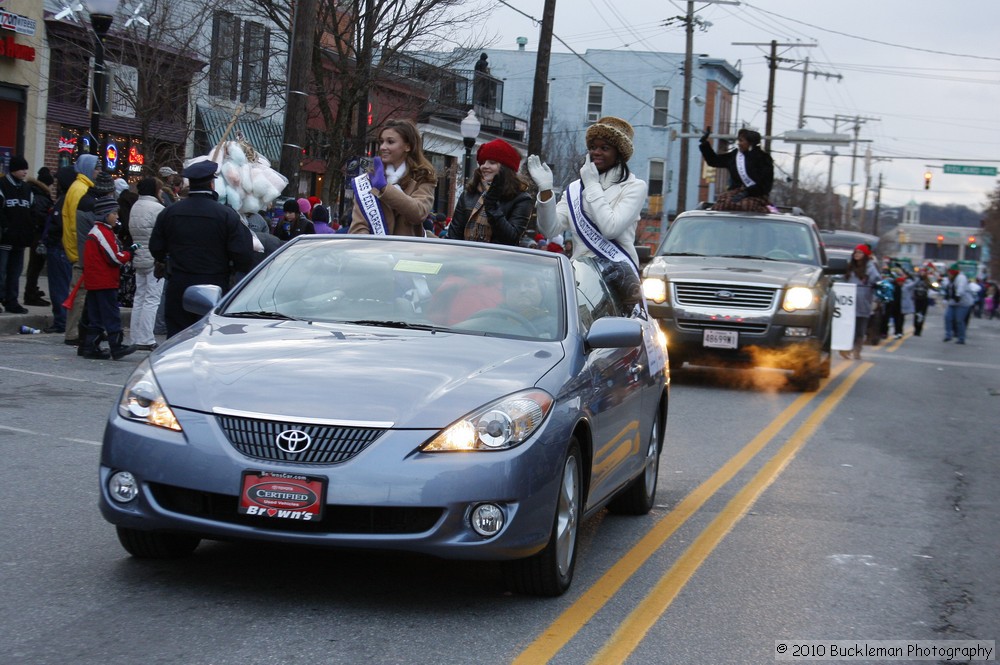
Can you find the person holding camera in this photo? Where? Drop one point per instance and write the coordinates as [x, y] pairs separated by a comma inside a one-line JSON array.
[[398, 194], [495, 205], [751, 172]]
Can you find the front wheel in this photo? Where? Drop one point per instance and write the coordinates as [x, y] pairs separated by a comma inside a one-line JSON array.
[[550, 572], [157, 544]]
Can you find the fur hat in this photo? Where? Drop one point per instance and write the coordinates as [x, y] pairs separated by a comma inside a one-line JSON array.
[[17, 163], [320, 214], [104, 206], [500, 151], [104, 184], [615, 131]]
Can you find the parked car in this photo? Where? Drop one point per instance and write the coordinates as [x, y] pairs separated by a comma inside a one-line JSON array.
[[745, 290], [450, 398]]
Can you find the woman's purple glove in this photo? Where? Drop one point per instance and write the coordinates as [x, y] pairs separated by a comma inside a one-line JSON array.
[[378, 175]]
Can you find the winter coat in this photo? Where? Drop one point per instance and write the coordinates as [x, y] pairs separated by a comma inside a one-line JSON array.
[[613, 208], [41, 207], [285, 230], [202, 237], [404, 208], [77, 191], [103, 258], [17, 223], [84, 222], [759, 165], [865, 291], [960, 295], [140, 224], [508, 219]]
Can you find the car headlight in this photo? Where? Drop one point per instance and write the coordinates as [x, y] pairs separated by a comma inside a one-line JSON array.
[[654, 289], [142, 400], [799, 297], [497, 426]]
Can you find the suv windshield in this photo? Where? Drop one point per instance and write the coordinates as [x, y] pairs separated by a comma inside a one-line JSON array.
[[741, 237]]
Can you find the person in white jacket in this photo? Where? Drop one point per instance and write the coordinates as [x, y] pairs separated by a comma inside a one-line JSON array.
[[148, 288], [602, 208]]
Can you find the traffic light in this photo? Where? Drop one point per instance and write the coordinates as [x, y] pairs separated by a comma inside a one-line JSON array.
[[972, 242], [927, 179], [940, 240]]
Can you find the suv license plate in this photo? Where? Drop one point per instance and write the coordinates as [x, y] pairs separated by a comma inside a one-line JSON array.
[[720, 339]]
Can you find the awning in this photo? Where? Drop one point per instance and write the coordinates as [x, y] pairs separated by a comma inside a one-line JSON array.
[[264, 135]]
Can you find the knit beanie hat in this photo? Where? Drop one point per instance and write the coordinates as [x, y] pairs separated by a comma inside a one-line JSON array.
[[304, 206], [17, 163], [320, 214], [290, 205], [864, 249], [500, 151], [314, 201], [615, 131], [45, 176], [103, 206], [104, 184], [121, 184]]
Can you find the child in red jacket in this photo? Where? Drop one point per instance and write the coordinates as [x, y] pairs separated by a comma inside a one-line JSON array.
[[103, 258]]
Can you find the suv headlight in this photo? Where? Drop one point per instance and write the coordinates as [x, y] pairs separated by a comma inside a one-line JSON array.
[[142, 400], [655, 289], [499, 425], [800, 297]]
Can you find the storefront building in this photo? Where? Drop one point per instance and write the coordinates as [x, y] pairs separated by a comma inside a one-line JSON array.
[[22, 53]]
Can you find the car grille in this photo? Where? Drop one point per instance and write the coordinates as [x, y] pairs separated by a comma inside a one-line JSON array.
[[330, 444], [717, 324], [336, 519], [730, 296]]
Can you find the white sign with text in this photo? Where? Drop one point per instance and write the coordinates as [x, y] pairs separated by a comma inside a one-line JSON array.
[[843, 316]]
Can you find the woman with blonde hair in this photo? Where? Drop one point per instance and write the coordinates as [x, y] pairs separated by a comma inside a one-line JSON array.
[[398, 194]]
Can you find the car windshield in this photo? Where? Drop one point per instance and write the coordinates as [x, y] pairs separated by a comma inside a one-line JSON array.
[[408, 284], [741, 237]]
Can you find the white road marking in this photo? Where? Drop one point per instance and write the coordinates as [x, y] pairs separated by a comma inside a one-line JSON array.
[[29, 432], [59, 376]]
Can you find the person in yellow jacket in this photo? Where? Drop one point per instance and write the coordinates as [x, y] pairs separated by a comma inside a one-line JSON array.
[[87, 168]]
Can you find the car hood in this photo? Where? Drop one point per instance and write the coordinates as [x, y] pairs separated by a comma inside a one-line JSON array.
[[716, 268], [411, 379]]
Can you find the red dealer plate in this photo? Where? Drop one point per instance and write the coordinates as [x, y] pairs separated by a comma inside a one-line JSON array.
[[283, 496]]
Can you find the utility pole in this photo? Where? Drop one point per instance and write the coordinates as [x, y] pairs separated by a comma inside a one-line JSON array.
[[878, 205], [296, 94], [540, 92], [682, 175], [802, 121], [849, 213]]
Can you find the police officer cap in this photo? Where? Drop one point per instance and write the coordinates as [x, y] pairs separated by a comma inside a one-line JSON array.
[[201, 170]]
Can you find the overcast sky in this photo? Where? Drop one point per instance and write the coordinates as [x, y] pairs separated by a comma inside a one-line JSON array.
[[925, 73]]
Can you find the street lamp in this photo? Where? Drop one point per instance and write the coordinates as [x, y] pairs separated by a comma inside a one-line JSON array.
[[469, 127], [102, 13]]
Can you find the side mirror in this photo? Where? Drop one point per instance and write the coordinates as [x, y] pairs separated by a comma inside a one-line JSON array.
[[201, 299], [614, 332]]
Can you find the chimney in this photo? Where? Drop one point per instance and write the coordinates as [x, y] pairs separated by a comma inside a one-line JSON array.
[[521, 42]]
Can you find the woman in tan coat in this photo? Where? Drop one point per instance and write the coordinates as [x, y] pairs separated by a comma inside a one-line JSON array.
[[396, 197]]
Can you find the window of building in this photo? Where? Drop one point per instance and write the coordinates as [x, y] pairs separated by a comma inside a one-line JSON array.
[[239, 59], [655, 177], [660, 99], [595, 102]]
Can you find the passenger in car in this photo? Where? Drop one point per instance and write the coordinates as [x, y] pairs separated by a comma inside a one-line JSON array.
[[751, 172], [495, 205], [603, 206]]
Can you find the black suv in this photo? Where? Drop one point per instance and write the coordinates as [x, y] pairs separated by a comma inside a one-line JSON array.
[[745, 290]]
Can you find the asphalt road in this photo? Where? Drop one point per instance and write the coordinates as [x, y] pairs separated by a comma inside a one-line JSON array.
[[868, 510]]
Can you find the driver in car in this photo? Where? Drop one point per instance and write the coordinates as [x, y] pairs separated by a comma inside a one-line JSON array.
[[522, 296]]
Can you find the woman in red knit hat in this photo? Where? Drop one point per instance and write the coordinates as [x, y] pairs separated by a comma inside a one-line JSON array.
[[495, 205]]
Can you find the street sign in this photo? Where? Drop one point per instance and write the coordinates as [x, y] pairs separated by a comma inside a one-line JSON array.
[[965, 169]]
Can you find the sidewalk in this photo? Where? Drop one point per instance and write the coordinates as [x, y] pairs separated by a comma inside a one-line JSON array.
[[40, 317]]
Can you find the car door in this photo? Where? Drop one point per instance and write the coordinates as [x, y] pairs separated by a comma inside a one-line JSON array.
[[617, 386]]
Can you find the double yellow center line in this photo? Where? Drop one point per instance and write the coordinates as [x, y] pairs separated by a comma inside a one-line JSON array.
[[633, 629]]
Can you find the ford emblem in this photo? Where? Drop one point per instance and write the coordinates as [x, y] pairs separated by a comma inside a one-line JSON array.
[[293, 441], [724, 295]]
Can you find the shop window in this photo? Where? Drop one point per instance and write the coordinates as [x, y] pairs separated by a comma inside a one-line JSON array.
[[239, 59]]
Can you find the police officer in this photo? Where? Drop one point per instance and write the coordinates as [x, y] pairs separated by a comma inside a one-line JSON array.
[[206, 243]]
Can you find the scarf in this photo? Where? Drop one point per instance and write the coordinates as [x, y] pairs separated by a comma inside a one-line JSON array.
[[394, 174], [478, 228]]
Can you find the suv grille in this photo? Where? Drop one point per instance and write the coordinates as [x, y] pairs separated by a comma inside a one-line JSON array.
[[731, 296], [329, 444]]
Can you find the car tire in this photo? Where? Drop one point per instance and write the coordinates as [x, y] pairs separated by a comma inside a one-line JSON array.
[[638, 496], [550, 572], [157, 544]]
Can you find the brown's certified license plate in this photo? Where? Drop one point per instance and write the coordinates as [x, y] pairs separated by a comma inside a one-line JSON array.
[[720, 339], [282, 496]]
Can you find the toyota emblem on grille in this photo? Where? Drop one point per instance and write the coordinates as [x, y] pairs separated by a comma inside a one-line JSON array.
[[724, 295], [293, 441]]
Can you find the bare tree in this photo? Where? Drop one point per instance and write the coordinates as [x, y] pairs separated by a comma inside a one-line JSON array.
[[991, 225]]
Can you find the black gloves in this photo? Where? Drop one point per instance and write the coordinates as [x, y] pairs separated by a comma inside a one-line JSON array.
[[704, 137]]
